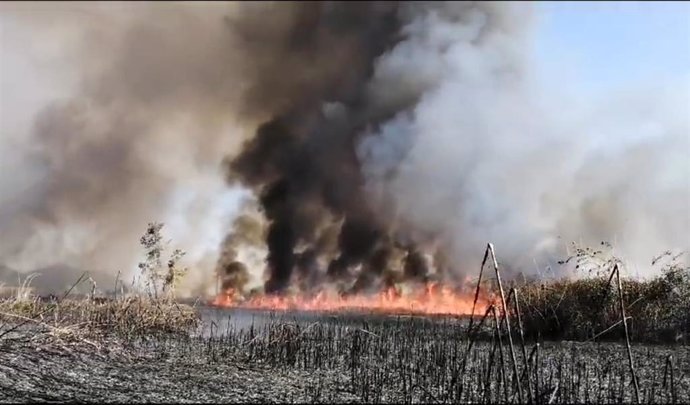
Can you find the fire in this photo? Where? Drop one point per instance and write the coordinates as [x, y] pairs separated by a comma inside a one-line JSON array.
[[432, 299]]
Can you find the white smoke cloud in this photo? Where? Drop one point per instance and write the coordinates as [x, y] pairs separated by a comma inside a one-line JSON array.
[[492, 154]]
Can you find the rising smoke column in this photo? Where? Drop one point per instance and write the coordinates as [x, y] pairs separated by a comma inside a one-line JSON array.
[[302, 161], [384, 130], [457, 144]]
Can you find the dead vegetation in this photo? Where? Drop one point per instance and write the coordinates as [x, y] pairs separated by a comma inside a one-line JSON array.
[[501, 356], [422, 360], [657, 310], [124, 315]]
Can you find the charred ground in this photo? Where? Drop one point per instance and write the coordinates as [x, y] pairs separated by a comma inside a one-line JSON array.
[[255, 356]]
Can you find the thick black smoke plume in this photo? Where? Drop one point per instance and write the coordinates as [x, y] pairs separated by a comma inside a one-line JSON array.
[[303, 160]]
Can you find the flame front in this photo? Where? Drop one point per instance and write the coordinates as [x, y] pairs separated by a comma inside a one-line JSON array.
[[432, 299]]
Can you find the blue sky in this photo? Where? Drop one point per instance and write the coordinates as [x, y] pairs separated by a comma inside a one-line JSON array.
[[611, 44]]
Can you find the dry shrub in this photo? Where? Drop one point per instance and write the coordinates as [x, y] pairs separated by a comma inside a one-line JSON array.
[[152, 311], [128, 317], [582, 309]]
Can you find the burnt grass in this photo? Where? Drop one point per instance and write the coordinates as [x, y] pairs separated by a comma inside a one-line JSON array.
[[250, 356]]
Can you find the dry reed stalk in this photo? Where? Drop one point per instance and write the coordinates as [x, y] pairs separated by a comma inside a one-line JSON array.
[[616, 269], [536, 368], [492, 355], [514, 293], [490, 247], [669, 368], [476, 292], [19, 325], [473, 338], [527, 374], [500, 351], [605, 330], [474, 307], [555, 391]]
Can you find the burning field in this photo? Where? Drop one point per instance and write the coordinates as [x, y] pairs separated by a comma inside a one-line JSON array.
[[560, 343], [249, 356], [430, 299]]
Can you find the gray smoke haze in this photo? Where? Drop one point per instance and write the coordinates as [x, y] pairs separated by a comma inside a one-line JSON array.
[[138, 136], [366, 134], [489, 154]]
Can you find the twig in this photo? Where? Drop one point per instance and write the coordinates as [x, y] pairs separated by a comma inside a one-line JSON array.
[[616, 269], [28, 319], [474, 307], [473, 337], [63, 329], [529, 361], [476, 292], [667, 368], [500, 351], [427, 392], [553, 394], [514, 293], [365, 331], [117, 278], [505, 313], [536, 366], [42, 312], [608, 285], [606, 330], [492, 355]]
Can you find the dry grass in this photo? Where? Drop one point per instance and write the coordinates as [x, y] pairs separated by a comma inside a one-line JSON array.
[[151, 312], [125, 317], [419, 359], [659, 309]]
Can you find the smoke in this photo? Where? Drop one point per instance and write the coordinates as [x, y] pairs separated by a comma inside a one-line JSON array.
[[491, 154], [243, 246], [354, 140], [302, 161], [457, 143], [136, 135]]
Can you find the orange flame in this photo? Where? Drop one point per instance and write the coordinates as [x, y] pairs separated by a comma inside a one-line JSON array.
[[433, 299]]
